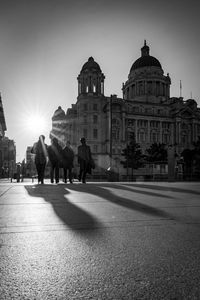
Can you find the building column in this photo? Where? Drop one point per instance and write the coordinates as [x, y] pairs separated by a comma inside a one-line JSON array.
[[123, 127], [136, 130], [136, 88], [160, 127], [145, 87], [160, 87], [154, 87], [193, 132], [148, 131], [178, 132]]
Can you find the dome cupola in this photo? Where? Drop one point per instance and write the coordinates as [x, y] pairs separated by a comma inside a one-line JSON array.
[[145, 60], [146, 80], [91, 78], [91, 65], [59, 114]]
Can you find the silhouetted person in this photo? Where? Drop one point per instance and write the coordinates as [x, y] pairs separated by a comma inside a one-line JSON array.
[[68, 161], [40, 151], [55, 157], [84, 160]]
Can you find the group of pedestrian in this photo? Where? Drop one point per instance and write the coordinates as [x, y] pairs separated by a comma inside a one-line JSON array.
[[61, 158]]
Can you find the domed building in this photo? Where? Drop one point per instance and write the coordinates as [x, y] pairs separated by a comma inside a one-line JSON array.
[[145, 109], [59, 125], [146, 81]]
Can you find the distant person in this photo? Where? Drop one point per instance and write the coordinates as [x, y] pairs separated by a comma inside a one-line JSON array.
[[55, 157], [68, 161], [40, 150], [85, 160]]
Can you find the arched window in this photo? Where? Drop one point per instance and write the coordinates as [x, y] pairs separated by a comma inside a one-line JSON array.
[[166, 137], [184, 137], [149, 87], [141, 136], [102, 88], [85, 119], [141, 88], [115, 129], [154, 136], [95, 119], [115, 134], [115, 122]]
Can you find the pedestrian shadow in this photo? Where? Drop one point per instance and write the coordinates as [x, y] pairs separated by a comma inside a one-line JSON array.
[[73, 216], [164, 188], [100, 190]]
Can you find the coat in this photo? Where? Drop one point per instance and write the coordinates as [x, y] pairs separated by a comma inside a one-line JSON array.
[[40, 151], [85, 158], [55, 154], [84, 153], [67, 158]]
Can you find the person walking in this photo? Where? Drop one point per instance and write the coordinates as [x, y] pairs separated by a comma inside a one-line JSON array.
[[55, 157], [84, 160], [40, 150], [68, 161]]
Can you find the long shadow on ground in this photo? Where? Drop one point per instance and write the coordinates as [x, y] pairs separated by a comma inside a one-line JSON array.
[[70, 214], [101, 191], [164, 188]]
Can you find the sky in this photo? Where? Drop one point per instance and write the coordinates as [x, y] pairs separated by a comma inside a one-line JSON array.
[[44, 44]]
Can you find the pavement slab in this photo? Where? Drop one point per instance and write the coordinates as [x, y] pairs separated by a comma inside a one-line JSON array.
[[100, 240]]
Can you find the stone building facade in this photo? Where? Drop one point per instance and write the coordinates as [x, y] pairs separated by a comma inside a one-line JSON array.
[[7, 157], [145, 108], [7, 148]]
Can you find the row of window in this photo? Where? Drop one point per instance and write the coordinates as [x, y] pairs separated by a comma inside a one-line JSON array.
[[142, 135], [95, 133], [142, 138], [149, 87], [145, 110], [154, 137], [134, 109], [94, 119], [90, 87], [85, 107], [144, 123], [140, 123]]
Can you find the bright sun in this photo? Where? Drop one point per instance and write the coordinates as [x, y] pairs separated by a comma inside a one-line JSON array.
[[35, 123]]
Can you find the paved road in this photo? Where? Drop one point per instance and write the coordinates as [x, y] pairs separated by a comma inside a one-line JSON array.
[[100, 241]]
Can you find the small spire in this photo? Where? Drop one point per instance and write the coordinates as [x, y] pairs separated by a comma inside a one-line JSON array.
[[180, 89], [145, 49]]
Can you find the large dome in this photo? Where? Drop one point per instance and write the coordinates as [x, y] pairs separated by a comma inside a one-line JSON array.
[[145, 60], [91, 65]]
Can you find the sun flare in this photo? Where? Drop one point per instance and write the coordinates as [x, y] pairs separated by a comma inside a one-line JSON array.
[[35, 123]]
